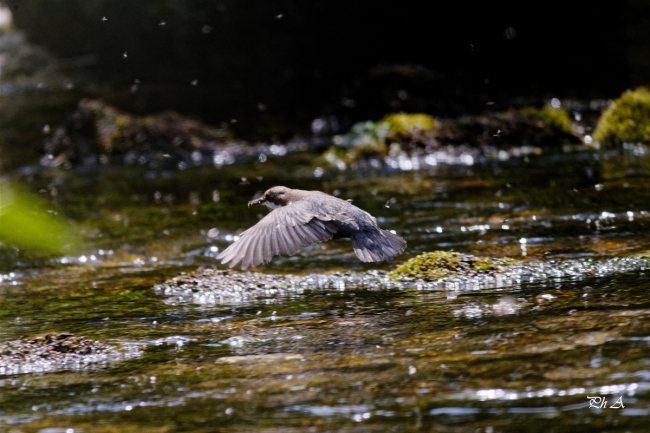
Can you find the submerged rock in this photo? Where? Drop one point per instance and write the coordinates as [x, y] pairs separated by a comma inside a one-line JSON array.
[[627, 120], [55, 352], [436, 265]]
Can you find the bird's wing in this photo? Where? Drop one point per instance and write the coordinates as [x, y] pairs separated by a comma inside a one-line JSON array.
[[285, 230]]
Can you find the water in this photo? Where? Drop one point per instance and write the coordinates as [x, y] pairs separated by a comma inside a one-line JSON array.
[[344, 349]]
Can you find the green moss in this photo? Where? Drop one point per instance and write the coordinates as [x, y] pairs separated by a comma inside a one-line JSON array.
[[404, 126], [439, 264], [553, 117], [626, 120]]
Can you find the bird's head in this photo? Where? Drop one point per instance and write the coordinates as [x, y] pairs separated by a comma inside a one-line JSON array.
[[275, 197]]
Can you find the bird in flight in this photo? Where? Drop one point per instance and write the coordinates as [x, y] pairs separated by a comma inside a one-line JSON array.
[[300, 218]]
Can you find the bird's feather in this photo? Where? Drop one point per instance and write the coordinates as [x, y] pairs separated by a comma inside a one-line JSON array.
[[377, 245], [286, 230]]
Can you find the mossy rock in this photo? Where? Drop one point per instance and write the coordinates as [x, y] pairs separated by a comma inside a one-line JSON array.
[[626, 120], [373, 139], [554, 117], [420, 134], [540, 127], [367, 134], [439, 264], [407, 126], [98, 132]]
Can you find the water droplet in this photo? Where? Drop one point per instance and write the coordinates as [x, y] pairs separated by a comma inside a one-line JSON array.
[[509, 33]]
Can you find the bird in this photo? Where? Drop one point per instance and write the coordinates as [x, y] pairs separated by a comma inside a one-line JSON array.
[[300, 218]]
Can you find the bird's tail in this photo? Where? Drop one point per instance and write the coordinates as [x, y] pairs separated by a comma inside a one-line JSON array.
[[377, 245]]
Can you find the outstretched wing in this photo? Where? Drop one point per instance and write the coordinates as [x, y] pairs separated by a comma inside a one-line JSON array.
[[285, 230]]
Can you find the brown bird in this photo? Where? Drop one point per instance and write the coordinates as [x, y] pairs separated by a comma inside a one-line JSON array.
[[301, 218]]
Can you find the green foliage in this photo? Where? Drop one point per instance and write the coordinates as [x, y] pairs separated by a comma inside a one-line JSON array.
[[26, 222], [626, 120], [439, 264]]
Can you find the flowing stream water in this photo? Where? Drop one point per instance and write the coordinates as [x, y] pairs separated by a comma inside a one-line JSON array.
[[345, 349]]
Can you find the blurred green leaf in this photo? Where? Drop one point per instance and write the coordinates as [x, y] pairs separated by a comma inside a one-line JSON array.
[[28, 222]]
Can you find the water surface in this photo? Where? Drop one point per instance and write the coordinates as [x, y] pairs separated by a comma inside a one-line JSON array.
[[356, 355]]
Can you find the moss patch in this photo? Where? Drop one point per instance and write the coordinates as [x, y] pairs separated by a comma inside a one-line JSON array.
[[439, 264], [405, 126], [556, 118], [626, 120]]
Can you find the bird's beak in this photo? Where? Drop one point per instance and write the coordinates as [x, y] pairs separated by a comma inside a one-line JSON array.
[[252, 202]]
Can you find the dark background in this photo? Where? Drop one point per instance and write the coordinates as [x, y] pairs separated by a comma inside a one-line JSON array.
[[352, 59]]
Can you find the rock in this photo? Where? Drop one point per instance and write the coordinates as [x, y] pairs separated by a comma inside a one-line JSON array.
[[98, 133], [627, 120], [419, 134], [544, 127], [439, 264], [55, 352], [230, 287], [374, 139]]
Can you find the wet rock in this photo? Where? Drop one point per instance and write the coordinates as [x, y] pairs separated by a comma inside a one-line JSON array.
[[395, 132], [479, 273], [435, 265], [627, 120], [529, 126], [99, 133], [56, 352], [429, 271], [213, 286], [409, 135]]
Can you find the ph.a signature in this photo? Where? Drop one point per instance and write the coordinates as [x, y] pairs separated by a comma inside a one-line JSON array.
[[599, 402]]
